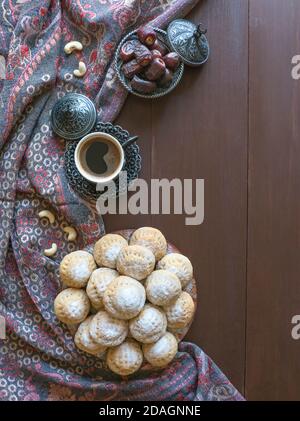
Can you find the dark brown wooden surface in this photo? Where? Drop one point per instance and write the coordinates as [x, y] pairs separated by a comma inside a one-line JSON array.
[[236, 124], [272, 359]]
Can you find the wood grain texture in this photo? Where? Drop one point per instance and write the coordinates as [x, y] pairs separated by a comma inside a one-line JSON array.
[[273, 363]]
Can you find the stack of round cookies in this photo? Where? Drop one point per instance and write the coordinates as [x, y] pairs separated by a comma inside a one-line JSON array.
[[129, 299]]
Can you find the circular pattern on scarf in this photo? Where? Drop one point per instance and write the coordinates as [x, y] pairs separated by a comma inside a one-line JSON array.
[[222, 392]]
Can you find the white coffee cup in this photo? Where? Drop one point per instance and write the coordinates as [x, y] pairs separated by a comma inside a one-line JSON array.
[[114, 158]]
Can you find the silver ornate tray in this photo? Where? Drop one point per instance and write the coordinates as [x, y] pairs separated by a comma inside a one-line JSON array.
[[86, 189], [160, 91]]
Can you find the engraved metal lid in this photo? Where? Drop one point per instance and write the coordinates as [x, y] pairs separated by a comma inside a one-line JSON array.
[[73, 116], [189, 41]]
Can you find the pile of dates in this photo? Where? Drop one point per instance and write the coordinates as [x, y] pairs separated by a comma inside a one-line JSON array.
[[147, 62]]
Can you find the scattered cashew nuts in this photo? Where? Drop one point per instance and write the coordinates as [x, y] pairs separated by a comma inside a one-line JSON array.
[[51, 251], [72, 234], [47, 214], [73, 45], [81, 71]]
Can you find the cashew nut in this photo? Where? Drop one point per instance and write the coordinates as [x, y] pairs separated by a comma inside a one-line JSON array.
[[72, 234], [51, 251], [47, 214], [73, 45], [81, 71]]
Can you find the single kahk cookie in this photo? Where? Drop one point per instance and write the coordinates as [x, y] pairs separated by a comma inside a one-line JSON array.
[[162, 352], [179, 265], [76, 268], [152, 239], [126, 358], [108, 331], [72, 305], [149, 325], [162, 287], [135, 261], [107, 249], [98, 282], [180, 312], [124, 297], [85, 342]]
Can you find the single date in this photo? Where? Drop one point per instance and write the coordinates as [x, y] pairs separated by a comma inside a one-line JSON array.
[[146, 35], [166, 79], [158, 45], [156, 69], [142, 54], [131, 68], [127, 50], [143, 86], [172, 60]]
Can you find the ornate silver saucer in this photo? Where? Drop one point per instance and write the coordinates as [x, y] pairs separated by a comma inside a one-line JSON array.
[[86, 189]]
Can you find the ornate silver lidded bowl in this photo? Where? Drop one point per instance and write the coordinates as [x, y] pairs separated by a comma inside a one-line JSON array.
[[189, 41], [183, 37], [73, 116]]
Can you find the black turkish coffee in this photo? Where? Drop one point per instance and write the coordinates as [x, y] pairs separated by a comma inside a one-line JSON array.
[[100, 157]]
